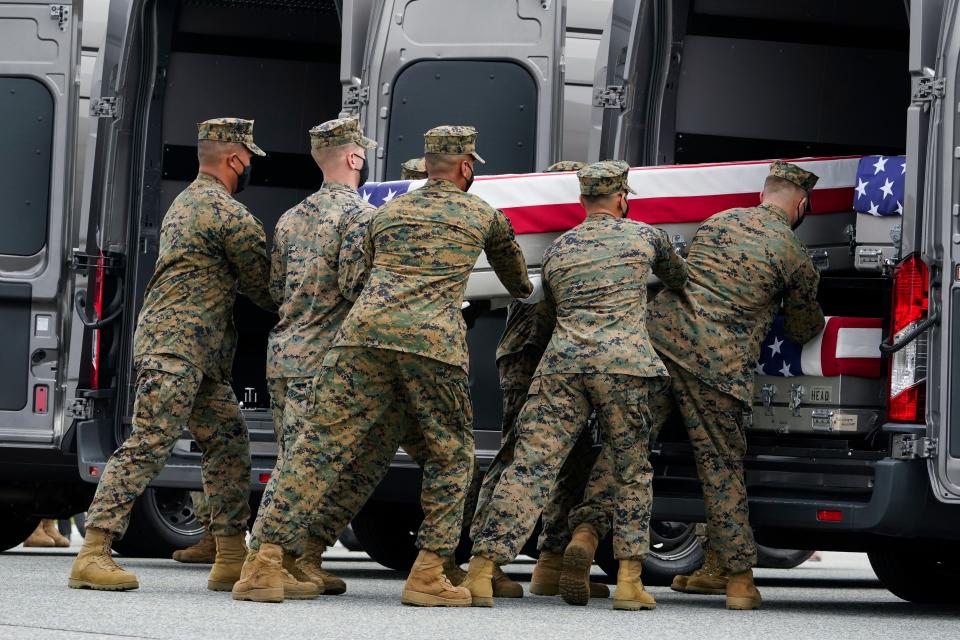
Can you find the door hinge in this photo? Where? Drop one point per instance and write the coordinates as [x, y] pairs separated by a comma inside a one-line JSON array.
[[60, 13], [906, 446], [106, 107], [356, 97], [81, 261], [612, 97], [79, 409], [929, 88]]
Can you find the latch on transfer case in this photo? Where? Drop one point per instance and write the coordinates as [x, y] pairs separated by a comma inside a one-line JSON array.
[[767, 392], [796, 398]]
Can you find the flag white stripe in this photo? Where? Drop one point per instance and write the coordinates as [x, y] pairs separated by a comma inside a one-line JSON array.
[[810, 354], [854, 342]]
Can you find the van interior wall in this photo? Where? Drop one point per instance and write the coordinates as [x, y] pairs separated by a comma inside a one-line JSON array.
[[761, 79], [271, 61]]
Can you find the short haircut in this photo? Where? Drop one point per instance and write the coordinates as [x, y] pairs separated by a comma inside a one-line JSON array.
[[777, 185], [599, 199], [212, 151], [325, 155], [443, 163]]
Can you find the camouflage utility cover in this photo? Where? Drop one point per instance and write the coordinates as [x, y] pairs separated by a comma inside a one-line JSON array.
[[420, 248], [341, 131], [413, 169], [792, 173], [317, 271], [449, 139], [595, 284], [211, 248], [742, 264], [566, 165], [229, 130], [604, 178]]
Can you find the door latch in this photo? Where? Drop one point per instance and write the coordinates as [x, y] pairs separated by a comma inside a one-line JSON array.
[[612, 97]]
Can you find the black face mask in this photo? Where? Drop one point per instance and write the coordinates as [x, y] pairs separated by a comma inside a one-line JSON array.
[[626, 211], [364, 172], [243, 178], [801, 216], [469, 180]]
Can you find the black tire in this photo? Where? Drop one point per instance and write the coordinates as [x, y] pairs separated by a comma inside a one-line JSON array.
[[162, 521], [674, 550], [349, 539], [771, 558], [16, 527], [917, 577], [388, 533]]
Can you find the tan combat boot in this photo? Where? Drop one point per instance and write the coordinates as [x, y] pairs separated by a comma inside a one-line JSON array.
[[94, 567], [39, 537], [452, 570], [479, 581], [427, 586], [231, 551], [630, 594], [261, 579], [50, 528], [203, 552], [575, 586], [545, 580], [503, 586], [741, 592], [311, 567], [709, 579], [296, 584]]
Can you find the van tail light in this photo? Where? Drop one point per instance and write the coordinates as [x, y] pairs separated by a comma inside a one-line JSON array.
[[98, 278], [908, 367]]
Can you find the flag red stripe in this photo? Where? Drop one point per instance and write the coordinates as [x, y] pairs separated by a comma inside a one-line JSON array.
[[678, 209]]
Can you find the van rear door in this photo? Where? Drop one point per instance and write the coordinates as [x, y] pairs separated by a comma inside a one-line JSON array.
[[39, 61], [936, 90], [494, 64]]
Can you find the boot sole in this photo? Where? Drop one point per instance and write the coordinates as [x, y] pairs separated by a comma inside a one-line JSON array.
[[539, 589], [291, 596], [334, 591], [417, 599], [272, 594], [216, 585], [575, 577], [200, 561], [633, 605], [83, 584], [508, 594], [742, 604], [701, 592]]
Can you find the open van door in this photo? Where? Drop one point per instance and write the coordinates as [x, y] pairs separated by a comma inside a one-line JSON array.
[[39, 62], [494, 64], [936, 92]]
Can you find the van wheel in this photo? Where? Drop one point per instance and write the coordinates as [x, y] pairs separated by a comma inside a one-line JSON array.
[[674, 550], [771, 558], [16, 527], [162, 521], [917, 577], [388, 533]]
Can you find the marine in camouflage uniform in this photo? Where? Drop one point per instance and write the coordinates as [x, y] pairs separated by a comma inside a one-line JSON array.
[[402, 344], [598, 359], [744, 264], [413, 169], [525, 337], [211, 248]]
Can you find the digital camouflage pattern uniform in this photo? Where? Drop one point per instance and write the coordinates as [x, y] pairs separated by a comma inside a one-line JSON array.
[[743, 264], [413, 169], [317, 271], [211, 248], [599, 358], [525, 337], [403, 345]]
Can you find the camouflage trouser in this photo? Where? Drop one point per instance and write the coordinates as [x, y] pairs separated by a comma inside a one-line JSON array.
[[516, 371], [714, 422], [353, 417], [358, 479], [551, 422], [164, 403], [201, 508]]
